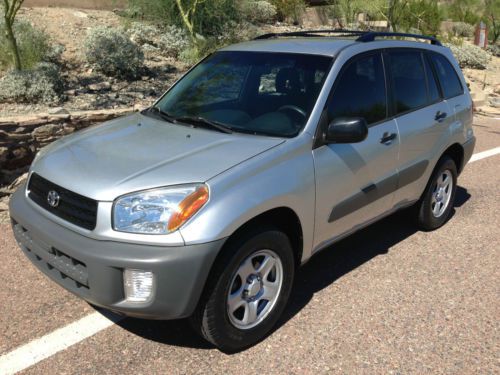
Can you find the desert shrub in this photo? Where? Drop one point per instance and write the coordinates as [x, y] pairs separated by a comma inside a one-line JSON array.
[[494, 49], [41, 84], [173, 41], [111, 52], [289, 9], [209, 19], [470, 56], [141, 33], [166, 41], [259, 11], [34, 45], [232, 33], [462, 29]]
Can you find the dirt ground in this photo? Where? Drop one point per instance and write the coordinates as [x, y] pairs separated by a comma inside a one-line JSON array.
[[68, 26], [84, 4]]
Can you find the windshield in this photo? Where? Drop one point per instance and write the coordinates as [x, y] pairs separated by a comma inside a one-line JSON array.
[[251, 92]]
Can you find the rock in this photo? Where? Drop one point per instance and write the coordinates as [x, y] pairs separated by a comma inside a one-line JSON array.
[[19, 153], [58, 111], [4, 151], [46, 131], [101, 86], [4, 204], [68, 129], [80, 14], [18, 181], [14, 136], [495, 102]]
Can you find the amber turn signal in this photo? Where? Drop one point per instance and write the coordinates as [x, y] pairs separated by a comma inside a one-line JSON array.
[[188, 207]]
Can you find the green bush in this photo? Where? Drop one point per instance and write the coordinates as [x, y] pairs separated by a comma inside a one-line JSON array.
[[422, 15], [41, 84], [289, 9], [209, 19], [110, 52], [494, 49], [232, 33], [470, 56], [463, 29], [259, 11], [173, 41], [34, 45], [168, 41]]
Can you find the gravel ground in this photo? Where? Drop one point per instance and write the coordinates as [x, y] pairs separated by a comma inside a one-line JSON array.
[[386, 300]]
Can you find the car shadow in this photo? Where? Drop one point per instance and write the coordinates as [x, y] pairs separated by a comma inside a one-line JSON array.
[[322, 270]]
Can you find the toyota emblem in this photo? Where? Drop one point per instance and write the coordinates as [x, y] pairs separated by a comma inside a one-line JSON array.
[[53, 198]]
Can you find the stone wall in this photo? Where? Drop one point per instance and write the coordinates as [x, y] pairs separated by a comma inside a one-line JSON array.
[[22, 137]]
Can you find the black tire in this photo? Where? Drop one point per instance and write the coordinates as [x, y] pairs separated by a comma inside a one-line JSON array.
[[211, 318], [426, 219]]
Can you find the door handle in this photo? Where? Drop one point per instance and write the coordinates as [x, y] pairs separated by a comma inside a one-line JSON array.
[[387, 138], [440, 116]]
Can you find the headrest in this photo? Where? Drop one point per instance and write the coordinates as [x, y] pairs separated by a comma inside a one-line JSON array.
[[287, 81]]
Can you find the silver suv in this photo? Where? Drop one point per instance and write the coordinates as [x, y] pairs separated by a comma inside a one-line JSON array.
[[265, 153]]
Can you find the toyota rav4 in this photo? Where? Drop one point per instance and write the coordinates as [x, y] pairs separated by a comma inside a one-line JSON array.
[[266, 152]]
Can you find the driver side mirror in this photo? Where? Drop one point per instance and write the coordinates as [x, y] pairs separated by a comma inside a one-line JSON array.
[[346, 130]]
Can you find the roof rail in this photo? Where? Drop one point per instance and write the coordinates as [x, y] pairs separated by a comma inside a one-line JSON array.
[[370, 36], [363, 36], [312, 33]]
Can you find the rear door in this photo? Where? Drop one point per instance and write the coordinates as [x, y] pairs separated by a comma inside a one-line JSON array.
[[355, 183], [422, 117], [452, 89]]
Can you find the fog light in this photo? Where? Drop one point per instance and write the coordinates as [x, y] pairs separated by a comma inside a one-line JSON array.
[[138, 285]]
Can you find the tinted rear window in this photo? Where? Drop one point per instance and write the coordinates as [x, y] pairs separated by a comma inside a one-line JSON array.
[[448, 78], [408, 80]]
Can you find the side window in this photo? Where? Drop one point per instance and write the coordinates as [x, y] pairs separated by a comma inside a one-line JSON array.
[[447, 76], [434, 94], [360, 91], [408, 80]]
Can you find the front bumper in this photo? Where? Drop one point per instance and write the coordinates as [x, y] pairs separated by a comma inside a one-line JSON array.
[[93, 269]]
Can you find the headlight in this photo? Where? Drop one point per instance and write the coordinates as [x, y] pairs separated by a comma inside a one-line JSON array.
[[158, 211]]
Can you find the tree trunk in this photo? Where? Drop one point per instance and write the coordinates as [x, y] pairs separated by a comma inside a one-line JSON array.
[[13, 45]]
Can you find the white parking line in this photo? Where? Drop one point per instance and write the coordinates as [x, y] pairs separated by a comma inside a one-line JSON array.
[[48, 345], [484, 154], [62, 338]]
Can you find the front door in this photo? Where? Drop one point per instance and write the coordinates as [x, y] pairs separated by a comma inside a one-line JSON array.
[[355, 183]]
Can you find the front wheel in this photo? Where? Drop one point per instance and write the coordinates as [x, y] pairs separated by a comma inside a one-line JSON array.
[[436, 204], [247, 290]]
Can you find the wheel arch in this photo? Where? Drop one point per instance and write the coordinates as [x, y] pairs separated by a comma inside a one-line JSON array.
[[456, 153], [283, 218]]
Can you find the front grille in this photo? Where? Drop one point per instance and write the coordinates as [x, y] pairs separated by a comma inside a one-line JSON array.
[[70, 272], [72, 207]]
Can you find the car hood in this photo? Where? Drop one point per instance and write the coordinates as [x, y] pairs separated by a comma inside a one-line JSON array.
[[138, 152]]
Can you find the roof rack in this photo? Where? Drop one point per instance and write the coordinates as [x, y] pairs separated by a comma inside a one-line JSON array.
[[363, 36], [370, 36], [311, 33]]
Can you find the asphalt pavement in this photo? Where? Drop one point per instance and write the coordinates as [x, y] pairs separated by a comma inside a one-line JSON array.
[[387, 300]]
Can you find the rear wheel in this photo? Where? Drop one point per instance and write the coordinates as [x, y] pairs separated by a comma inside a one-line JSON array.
[[434, 208], [247, 291]]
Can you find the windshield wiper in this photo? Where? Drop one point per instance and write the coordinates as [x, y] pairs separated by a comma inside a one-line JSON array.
[[160, 113], [198, 120]]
